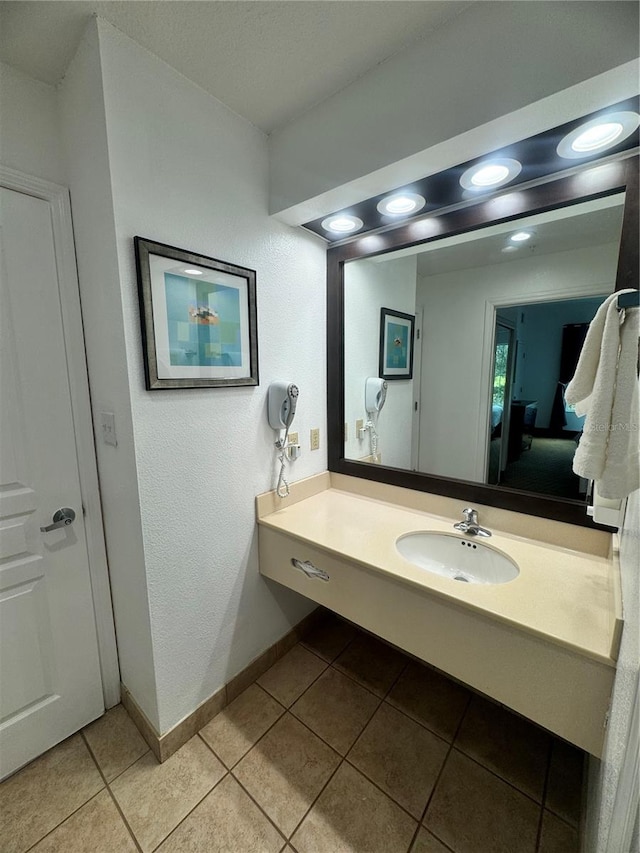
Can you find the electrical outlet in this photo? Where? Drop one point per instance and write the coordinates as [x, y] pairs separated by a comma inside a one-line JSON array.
[[346, 431], [315, 439], [359, 426], [293, 438]]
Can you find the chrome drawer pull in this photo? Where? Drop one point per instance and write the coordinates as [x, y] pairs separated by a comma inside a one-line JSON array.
[[309, 569]]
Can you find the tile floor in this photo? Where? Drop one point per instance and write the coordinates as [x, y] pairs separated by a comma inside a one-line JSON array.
[[343, 745]]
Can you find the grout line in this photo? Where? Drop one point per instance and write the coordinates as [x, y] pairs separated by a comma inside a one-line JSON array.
[[128, 767], [259, 807], [58, 825], [382, 790], [544, 795], [279, 701], [498, 776], [190, 812], [326, 742], [439, 776], [111, 794], [315, 800]]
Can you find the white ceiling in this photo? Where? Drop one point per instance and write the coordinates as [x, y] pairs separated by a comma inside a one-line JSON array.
[[269, 60]]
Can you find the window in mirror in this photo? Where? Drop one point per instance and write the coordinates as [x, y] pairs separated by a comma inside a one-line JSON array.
[[498, 328]]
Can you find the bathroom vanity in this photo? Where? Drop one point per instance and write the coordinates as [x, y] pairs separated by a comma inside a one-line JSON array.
[[544, 644]]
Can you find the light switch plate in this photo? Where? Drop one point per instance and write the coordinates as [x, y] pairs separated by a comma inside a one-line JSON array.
[[315, 439]]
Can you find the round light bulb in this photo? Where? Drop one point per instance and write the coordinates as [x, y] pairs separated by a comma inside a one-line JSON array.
[[489, 175], [342, 223], [599, 134], [520, 236], [193, 272], [401, 204]]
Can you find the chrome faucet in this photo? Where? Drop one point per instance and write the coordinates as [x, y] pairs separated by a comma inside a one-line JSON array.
[[470, 524]]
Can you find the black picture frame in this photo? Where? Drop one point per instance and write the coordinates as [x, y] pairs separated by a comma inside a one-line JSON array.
[[397, 332], [198, 318]]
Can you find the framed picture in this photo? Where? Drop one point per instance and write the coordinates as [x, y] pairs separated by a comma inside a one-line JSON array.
[[396, 344], [199, 319]]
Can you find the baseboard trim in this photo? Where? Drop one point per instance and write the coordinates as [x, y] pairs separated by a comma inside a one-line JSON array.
[[163, 746]]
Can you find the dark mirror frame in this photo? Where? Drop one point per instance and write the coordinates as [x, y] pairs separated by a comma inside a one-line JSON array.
[[617, 176]]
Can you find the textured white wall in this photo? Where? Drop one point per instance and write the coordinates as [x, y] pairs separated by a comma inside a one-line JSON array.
[[85, 147], [368, 287], [29, 139], [187, 171], [604, 775], [453, 396], [484, 63]]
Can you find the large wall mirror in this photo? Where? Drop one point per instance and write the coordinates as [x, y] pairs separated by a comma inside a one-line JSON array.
[[476, 318]]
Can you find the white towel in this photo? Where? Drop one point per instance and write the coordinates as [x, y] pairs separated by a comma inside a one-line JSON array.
[[605, 388]]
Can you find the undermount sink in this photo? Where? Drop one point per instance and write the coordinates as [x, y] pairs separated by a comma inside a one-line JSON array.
[[454, 557]]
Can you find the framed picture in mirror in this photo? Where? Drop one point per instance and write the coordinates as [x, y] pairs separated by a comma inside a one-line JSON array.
[[396, 344]]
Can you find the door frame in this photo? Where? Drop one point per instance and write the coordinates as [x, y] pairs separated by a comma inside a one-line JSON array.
[[69, 294]]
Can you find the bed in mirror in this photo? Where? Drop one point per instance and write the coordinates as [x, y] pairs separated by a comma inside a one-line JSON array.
[[501, 306]]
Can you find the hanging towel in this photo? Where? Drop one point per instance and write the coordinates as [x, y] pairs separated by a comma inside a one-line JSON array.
[[605, 388]]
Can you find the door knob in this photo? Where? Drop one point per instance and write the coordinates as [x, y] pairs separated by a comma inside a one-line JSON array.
[[61, 518]]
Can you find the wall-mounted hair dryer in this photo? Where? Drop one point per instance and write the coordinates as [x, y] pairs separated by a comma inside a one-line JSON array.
[[281, 404], [375, 394]]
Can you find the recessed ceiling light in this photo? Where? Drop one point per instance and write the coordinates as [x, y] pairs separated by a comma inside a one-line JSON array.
[[401, 204], [193, 272], [520, 236], [598, 135], [342, 223], [490, 174], [510, 249]]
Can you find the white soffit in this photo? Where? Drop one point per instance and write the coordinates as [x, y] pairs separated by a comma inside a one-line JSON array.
[[268, 60], [569, 104]]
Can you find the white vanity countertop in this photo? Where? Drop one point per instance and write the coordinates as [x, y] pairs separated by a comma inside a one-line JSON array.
[[564, 596]]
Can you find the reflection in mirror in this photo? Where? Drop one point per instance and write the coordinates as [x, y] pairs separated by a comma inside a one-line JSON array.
[[499, 326]]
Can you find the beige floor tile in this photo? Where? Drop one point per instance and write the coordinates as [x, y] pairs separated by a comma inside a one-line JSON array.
[[95, 828], [564, 788], [431, 699], [43, 794], [226, 821], [329, 638], [513, 748], [472, 810], [400, 756], [234, 730], [292, 674], [115, 742], [353, 816], [156, 797], [372, 663], [336, 708], [427, 843], [557, 836], [286, 771]]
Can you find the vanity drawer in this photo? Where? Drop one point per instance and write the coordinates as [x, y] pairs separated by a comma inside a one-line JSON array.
[[561, 690]]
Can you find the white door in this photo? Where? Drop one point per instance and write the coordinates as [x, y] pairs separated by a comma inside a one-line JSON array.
[[50, 683]]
